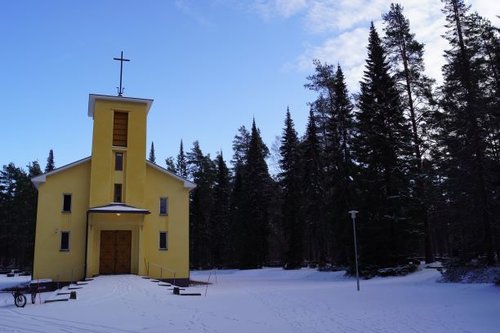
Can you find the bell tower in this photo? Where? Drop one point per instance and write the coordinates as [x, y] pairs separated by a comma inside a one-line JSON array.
[[118, 168]]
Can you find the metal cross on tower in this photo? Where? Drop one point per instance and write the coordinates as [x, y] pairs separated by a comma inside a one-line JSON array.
[[121, 60]]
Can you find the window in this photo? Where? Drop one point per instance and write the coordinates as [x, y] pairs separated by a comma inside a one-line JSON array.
[[120, 128], [163, 240], [119, 161], [66, 203], [118, 193], [64, 241], [163, 206]]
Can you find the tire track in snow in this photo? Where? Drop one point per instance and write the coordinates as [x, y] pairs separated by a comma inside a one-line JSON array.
[[119, 292], [39, 323]]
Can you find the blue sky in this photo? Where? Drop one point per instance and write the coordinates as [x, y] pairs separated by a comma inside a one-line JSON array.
[[210, 66]]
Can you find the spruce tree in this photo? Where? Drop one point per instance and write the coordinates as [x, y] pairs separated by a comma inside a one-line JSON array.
[[291, 188], [50, 162], [253, 210], [152, 157], [382, 150], [340, 131], [407, 64], [237, 218], [220, 214], [181, 164], [314, 193], [202, 171]]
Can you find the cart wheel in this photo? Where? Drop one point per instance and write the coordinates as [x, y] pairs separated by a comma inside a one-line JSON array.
[[20, 300]]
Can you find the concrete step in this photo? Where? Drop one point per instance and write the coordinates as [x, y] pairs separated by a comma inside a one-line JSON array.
[[58, 297]]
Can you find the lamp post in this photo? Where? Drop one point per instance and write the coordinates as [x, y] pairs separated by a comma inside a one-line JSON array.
[[353, 217]]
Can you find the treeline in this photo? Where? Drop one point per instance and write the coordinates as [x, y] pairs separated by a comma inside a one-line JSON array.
[[420, 162], [18, 201]]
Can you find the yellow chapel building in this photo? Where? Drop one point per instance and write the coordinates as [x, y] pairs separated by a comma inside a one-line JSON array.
[[113, 212]]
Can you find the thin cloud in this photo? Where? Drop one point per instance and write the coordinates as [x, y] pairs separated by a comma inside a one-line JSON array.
[[345, 24], [334, 16], [186, 7], [281, 8], [348, 48]]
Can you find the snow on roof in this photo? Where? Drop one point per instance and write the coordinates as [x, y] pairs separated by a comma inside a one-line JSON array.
[[116, 207]]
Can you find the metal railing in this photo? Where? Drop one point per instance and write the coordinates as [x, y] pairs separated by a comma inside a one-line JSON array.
[[162, 269], [214, 271]]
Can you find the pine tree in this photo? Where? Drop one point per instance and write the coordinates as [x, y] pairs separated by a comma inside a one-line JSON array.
[[464, 134], [17, 215], [289, 177], [407, 63], [34, 169], [488, 39], [50, 162], [323, 82], [30, 202], [8, 215], [238, 206], [241, 143], [333, 114], [169, 161], [152, 157], [382, 149]]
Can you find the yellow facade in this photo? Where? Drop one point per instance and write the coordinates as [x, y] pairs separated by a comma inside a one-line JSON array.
[[114, 224]]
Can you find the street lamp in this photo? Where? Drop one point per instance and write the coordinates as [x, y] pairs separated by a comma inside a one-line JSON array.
[[353, 217]]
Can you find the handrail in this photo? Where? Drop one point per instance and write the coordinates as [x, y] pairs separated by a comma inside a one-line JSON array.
[[214, 271], [146, 265], [72, 276], [162, 268]]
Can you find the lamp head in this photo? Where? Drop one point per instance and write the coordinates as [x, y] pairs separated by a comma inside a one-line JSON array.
[[353, 213]]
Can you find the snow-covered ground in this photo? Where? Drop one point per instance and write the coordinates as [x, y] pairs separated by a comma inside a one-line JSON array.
[[268, 300]]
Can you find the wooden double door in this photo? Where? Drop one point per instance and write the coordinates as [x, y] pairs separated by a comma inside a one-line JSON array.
[[115, 252]]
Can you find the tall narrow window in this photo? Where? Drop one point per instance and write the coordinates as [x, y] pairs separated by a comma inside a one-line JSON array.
[[163, 206], [66, 203], [118, 161], [163, 240], [120, 129], [118, 193], [64, 241]]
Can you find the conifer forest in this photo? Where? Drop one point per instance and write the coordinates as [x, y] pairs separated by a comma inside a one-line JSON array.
[[418, 160]]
